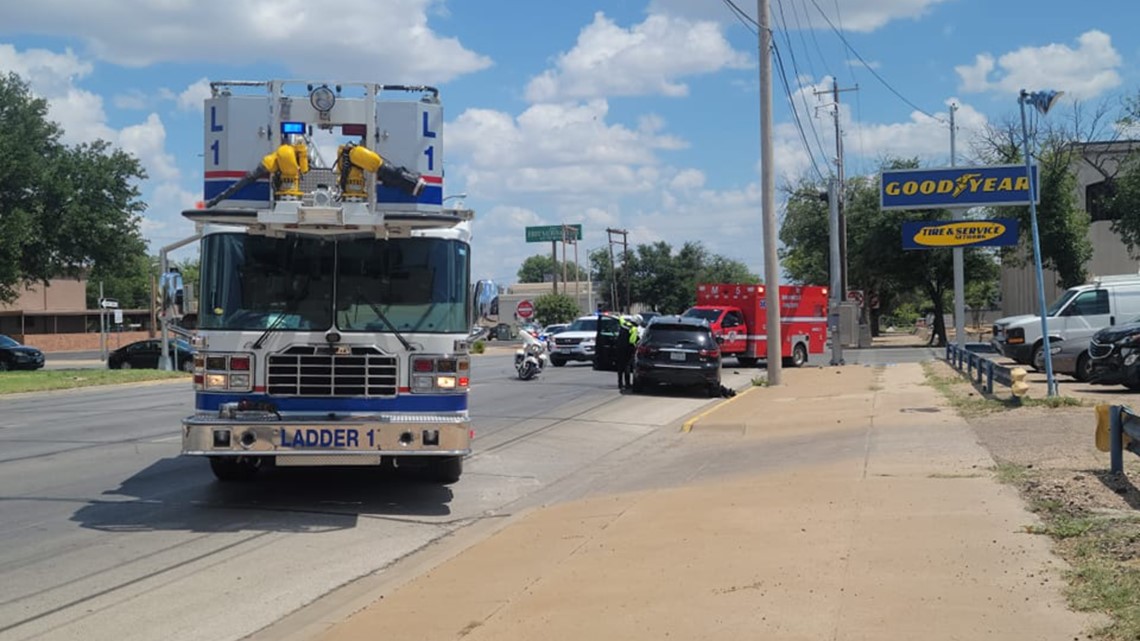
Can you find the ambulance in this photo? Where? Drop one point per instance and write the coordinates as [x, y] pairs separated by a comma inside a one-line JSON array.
[[738, 317]]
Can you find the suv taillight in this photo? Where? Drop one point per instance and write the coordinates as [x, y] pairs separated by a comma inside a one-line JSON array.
[[710, 353]]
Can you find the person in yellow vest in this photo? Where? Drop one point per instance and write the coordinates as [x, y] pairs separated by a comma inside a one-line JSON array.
[[628, 334]]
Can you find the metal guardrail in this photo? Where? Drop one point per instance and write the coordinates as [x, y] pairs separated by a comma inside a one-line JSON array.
[[980, 369], [1117, 429]]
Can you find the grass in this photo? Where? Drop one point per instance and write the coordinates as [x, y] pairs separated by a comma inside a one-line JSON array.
[[478, 347], [959, 391], [759, 381], [56, 379], [1104, 574]]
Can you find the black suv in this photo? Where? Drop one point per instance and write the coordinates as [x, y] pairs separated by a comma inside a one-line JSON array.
[[676, 350]]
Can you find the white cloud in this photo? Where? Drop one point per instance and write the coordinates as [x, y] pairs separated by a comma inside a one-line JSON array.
[[193, 97], [556, 148], [648, 58], [147, 142], [388, 39], [131, 99], [1086, 71]]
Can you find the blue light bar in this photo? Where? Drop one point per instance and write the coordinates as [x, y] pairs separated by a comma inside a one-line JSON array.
[[292, 128]]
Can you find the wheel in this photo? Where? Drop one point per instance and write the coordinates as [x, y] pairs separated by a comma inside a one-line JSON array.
[[747, 361], [799, 355], [713, 390], [187, 366], [4, 367], [127, 365], [1037, 361], [234, 469], [557, 362], [444, 470], [1084, 368]]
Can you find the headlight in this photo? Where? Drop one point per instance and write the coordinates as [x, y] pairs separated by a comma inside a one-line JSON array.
[[1131, 340]]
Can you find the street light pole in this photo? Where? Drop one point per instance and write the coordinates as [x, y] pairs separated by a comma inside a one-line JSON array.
[[1042, 101]]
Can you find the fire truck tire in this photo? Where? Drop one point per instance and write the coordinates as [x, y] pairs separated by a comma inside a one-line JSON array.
[[229, 470], [445, 471], [746, 361]]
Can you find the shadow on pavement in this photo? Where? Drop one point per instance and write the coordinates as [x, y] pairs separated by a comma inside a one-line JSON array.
[[1119, 483], [182, 494]]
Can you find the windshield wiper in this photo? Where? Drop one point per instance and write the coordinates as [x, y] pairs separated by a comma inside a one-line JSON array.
[[360, 296], [277, 322]]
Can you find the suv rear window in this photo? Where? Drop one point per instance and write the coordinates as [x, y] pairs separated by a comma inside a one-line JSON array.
[[669, 334]]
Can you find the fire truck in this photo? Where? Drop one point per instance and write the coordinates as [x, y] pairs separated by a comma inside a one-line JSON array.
[[738, 317], [334, 300]]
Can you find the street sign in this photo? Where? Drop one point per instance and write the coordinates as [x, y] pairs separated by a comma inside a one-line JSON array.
[[553, 233], [108, 303], [875, 304], [525, 309], [118, 317], [956, 187], [855, 296]]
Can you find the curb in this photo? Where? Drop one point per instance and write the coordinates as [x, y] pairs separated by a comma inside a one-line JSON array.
[[688, 425]]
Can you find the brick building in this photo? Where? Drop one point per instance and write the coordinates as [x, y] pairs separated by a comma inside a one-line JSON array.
[[55, 318]]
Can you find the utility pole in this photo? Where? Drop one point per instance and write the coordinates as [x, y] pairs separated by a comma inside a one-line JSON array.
[[554, 263], [835, 91], [959, 257], [775, 360], [102, 326], [836, 296], [624, 265]]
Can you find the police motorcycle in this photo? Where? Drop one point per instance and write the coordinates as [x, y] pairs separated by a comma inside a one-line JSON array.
[[532, 358]]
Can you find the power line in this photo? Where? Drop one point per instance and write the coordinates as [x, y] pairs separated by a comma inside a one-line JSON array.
[[795, 112], [871, 69], [754, 27], [796, 72], [744, 18]]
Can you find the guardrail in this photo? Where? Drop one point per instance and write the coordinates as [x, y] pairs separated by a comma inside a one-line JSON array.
[[980, 369], [1117, 429]]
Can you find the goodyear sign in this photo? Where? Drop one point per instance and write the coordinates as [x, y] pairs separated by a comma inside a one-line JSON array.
[[955, 187], [929, 234]]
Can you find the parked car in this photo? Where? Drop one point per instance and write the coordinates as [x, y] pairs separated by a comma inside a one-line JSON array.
[[550, 330], [1075, 316], [144, 355], [13, 355], [1115, 356], [677, 350], [1070, 358]]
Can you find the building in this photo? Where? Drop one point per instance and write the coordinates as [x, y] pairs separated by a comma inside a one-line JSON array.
[[55, 318], [1097, 163]]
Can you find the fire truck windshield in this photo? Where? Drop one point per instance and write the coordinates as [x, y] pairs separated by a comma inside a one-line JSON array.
[[252, 282]]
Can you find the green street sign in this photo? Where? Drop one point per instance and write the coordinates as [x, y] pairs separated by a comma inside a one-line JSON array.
[[553, 233]]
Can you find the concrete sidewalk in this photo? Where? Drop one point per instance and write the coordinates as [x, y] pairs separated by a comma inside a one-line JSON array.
[[866, 510]]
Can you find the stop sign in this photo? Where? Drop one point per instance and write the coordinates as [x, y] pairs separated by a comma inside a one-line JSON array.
[[525, 309]]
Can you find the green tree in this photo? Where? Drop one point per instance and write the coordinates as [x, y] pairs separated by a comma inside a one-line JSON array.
[[668, 282], [540, 269], [64, 211], [555, 308], [1061, 222]]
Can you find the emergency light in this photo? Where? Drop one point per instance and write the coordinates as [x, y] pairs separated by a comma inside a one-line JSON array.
[[289, 127]]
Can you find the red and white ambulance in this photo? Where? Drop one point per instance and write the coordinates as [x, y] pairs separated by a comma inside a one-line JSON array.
[[738, 314]]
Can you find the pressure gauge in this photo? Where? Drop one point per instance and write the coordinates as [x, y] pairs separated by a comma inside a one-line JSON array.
[[322, 98]]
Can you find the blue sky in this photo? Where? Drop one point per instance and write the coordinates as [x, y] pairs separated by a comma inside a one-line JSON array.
[[633, 114]]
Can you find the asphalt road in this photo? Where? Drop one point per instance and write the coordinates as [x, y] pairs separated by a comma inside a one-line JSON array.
[[106, 533]]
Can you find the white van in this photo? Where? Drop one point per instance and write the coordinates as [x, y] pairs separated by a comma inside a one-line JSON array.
[[1078, 314]]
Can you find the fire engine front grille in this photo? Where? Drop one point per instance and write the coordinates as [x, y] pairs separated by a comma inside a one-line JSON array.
[[320, 371]]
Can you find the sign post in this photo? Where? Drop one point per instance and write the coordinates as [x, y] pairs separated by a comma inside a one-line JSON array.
[[554, 234]]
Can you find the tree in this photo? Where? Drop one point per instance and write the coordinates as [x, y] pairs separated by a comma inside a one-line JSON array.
[[555, 308], [540, 269], [1061, 222], [668, 282], [64, 211]]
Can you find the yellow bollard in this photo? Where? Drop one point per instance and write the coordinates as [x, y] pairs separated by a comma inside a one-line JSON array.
[[1018, 385], [1102, 427]]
